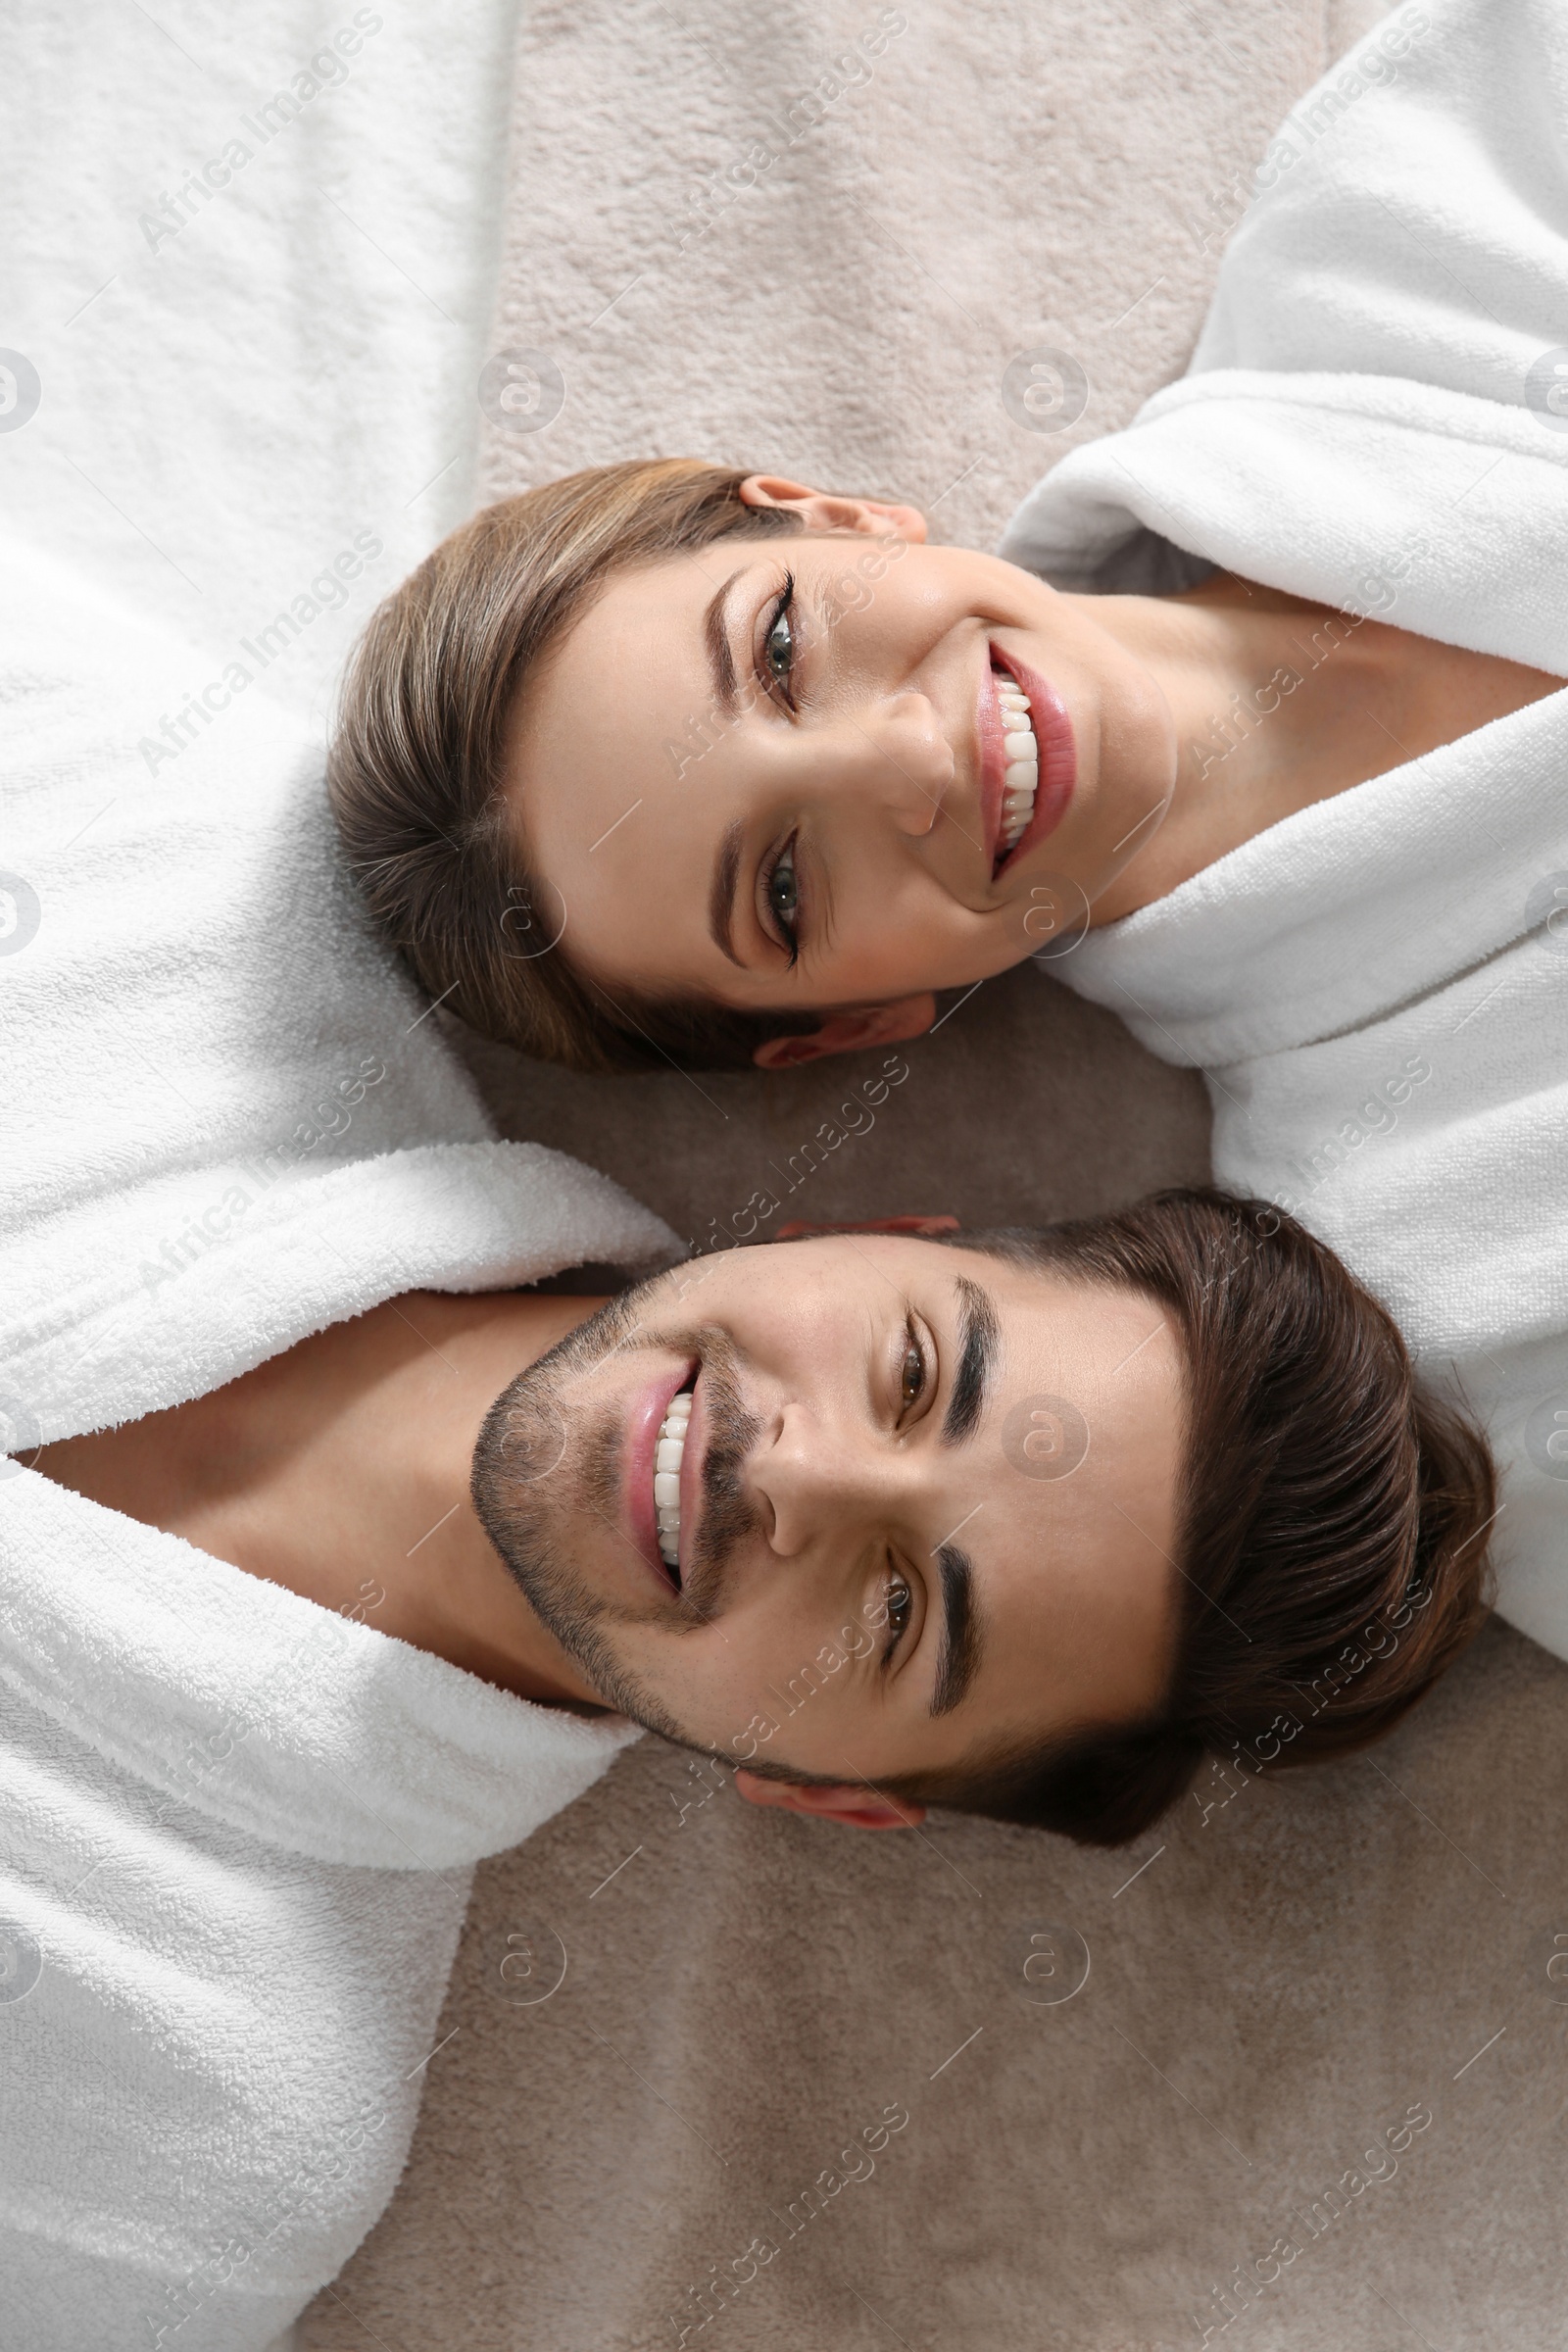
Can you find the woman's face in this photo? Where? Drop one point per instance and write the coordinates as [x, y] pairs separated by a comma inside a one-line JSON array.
[[774, 773]]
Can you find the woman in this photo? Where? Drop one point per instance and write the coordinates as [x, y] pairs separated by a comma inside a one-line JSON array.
[[678, 762], [670, 760], [863, 768]]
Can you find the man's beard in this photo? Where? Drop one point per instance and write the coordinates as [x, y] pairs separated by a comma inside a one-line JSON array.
[[542, 1474]]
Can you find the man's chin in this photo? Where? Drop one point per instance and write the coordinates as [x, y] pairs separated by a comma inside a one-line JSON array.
[[533, 1489], [580, 1623]]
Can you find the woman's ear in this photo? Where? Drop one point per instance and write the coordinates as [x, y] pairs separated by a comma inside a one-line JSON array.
[[823, 511], [852, 1806], [849, 1033]]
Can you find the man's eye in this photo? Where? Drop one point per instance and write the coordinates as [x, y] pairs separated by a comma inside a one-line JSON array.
[[900, 1601], [913, 1384]]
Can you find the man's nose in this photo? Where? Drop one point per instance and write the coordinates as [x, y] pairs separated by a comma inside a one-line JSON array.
[[817, 1479]]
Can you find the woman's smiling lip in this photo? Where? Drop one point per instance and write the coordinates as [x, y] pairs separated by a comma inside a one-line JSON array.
[[1058, 757], [643, 1423]]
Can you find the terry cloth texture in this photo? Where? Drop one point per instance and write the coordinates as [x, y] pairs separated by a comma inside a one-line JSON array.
[[239, 1828], [254, 255], [661, 2150], [1377, 418]]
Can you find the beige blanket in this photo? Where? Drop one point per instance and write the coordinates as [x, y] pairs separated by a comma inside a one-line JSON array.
[[802, 2090]]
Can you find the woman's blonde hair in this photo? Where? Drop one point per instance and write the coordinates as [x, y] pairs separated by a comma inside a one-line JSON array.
[[415, 768]]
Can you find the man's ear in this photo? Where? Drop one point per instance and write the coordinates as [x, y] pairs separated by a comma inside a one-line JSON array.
[[822, 511], [849, 1033], [851, 1805]]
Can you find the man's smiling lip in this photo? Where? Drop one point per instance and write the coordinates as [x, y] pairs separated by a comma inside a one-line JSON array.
[[691, 1478], [643, 1423]]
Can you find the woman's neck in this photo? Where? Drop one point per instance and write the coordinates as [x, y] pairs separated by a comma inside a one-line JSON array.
[[1277, 703]]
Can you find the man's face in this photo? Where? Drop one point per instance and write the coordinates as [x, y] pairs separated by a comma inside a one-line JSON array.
[[926, 1499]]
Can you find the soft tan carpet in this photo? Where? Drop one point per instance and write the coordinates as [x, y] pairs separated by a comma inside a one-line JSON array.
[[1295, 1968]]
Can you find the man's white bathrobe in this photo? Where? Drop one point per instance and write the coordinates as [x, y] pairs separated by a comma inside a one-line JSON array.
[[236, 1830], [1377, 418]]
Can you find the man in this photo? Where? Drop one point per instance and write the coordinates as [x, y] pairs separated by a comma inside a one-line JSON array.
[[925, 1516], [1021, 1526]]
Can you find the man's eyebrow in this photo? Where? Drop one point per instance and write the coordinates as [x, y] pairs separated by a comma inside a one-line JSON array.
[[720, 660], [721, 890], [959, 1658], [980, 1336]]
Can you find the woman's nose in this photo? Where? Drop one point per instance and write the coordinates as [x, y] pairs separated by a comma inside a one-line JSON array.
[[915, 810], [897, 760]]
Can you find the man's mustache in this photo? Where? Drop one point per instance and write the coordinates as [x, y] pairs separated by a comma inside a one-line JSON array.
[[535, 1450], [729, 1515]]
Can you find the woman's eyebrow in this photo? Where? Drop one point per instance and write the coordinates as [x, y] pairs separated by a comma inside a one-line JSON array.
[[721, 659], [721, 890], [979, 1339]]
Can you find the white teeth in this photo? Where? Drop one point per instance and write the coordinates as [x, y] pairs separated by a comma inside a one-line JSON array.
[[1021, 753], [669, 1455]]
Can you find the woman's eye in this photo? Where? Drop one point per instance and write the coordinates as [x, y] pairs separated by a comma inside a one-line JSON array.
[[779, 646], [783, 896], [913, 1384]]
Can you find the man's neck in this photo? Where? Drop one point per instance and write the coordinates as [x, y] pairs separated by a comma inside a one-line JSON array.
[[340, 1470]]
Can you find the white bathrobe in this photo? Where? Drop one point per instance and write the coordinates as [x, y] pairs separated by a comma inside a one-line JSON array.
[[238, 1828], [1377, 418]]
